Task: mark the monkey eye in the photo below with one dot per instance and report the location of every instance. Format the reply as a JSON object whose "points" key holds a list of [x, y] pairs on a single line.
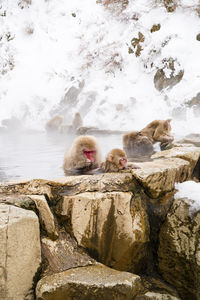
{"points": [[88, 152], [123, 159]]}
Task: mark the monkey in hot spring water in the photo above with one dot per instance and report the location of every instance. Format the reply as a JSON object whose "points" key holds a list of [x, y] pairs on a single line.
{"points": [[83, 156]]}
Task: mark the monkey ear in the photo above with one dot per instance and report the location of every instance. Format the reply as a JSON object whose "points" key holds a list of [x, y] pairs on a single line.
{"points": [[167, 124]]}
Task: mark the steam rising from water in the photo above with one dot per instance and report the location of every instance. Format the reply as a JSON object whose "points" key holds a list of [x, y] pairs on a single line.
{"points": [[50, 48]]}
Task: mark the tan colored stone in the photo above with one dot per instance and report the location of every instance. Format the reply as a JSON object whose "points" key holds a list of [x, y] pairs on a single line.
{"points": [[63, 254], [112, 225], [190, 154], [92, 282], [179, 249], [20, 253], [46, 216], [71, 185], [159, 176]]}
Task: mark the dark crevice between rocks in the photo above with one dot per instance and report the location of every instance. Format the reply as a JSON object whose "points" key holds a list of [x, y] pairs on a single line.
{"points": [[157, 212], [196, 171]]}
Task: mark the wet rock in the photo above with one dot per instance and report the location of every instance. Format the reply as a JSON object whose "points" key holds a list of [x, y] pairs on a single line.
{"points": [[62, 254], [159, 176], [190, 154], [92, 282], [45, 215], [39, 205], [97, 131], [85, 130], [113, 227], [70, 185], [179, 249], [167, 76], [20, 252], [155, 27]]}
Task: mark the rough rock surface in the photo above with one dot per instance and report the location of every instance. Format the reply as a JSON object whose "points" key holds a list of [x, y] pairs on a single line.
{"points": [[113, 226], [93, 282], [20, 252], [114, 218], [161, 80], [63, 254], [179, 249], [45, 215], [158, 177]]}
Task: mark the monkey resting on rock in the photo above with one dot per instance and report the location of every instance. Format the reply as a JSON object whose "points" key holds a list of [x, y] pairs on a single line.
{"points": [[140, 143]]}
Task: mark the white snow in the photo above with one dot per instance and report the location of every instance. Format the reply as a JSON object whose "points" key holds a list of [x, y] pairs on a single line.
{"points": [[80, 40], [190, 190]]}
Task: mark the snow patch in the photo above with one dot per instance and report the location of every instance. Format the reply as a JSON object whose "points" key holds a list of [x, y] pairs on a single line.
{"points": [[190, 190]]}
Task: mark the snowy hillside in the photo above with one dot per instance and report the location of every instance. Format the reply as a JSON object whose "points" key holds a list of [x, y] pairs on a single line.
{"points": [[120, 65]]}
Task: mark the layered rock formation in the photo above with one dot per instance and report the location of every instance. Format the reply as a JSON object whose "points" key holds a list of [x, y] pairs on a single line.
{"points": [[102, 236]]}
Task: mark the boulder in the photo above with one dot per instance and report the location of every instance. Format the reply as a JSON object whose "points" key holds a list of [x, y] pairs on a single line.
{"points": [[155, 289], [45, 215], [159, 176], [179, 249], [190, 154], [63, 254], [113, 226], [20, 252], [167, 76], [70, 185], [92, 282]]}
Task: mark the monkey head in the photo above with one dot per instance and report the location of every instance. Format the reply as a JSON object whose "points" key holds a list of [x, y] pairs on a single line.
{"points": [[83, 155], [163, 132], [115, 160]]}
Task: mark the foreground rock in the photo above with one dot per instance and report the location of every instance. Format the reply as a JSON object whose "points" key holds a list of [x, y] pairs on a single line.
{"points": [[20, 253], [63, 254], [113, 227], [93, 282], [114, 218], [179, 249]]}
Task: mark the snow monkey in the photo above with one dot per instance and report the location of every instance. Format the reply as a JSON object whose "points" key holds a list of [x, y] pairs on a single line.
{"points": [[139, 143], [83, 156], [77, 121], [54, 123], [116, 160]]}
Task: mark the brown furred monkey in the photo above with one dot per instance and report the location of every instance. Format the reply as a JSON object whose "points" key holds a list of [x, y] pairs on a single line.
{"points": [[116, 160], [83, 156], [140, 143], [54, 124], [77, 121]]}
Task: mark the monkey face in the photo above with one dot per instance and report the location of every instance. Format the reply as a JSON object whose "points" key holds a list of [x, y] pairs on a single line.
{"points": [[89, 155], [123, 162]]}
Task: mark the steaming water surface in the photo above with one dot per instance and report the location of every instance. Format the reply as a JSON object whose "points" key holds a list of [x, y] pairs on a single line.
{"points": [[38, 155]]}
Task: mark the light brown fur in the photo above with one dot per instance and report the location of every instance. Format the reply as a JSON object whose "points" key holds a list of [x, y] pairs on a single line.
{"points": [[77, 121], [116, 160], [141, 142], [75, 160], [54, 123]]}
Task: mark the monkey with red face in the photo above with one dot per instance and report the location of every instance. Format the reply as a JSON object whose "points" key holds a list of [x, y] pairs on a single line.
{"points": [[116, 160], [83, 156]]}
